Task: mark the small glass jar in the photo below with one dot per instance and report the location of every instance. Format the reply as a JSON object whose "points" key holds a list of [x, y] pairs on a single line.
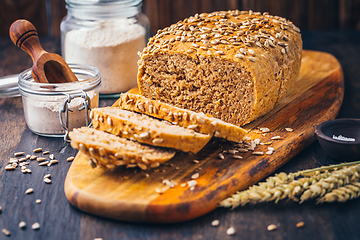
{"points": [[107, 35], [53, 109]]}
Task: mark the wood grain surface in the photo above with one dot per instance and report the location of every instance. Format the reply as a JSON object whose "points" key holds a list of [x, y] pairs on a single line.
{"points": [[128, 194]]}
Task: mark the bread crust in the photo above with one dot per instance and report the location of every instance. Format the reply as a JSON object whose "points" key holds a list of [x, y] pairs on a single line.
{"points": [[235, 66]]}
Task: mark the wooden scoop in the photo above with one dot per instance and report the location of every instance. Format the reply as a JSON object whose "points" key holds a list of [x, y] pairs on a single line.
{"points": [[47, 67]]}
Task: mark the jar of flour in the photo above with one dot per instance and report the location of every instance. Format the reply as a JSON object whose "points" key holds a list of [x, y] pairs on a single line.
{"points": [[107, 35]]}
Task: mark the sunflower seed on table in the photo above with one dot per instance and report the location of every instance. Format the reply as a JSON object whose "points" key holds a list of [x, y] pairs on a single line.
{"points": [[17, 154], [35, 226], [22, 224], [6, 232], [230, 231], [36, 150], [271, 227], [29, 190], [215, 223]]}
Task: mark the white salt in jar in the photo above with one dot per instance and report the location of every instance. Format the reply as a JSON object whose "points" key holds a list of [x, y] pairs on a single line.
{"points": [[53, 109], [107, 35]]}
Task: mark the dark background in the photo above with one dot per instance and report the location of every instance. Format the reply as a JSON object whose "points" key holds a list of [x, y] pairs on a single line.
{"points": [[46, 15]]}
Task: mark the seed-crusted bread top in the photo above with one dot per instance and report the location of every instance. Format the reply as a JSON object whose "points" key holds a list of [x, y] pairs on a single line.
{"points": [[233, 65], [148, 130], [109, 151], [198, 122]]}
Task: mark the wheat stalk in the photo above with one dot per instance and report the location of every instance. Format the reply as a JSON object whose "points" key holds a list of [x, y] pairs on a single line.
{"points": [[326, 184]]}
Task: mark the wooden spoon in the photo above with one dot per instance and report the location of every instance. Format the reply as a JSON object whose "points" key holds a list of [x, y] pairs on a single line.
{"points": [[47, 67]]}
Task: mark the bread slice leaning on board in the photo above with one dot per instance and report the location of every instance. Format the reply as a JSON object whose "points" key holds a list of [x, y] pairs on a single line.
{"points": [[145, 129], [110, 151], [198, 122], [232, 65]]}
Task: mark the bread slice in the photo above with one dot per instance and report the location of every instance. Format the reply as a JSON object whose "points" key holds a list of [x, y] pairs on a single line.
{"points": [[109, 151], [148, 130], [234, 65], [198, 122]]}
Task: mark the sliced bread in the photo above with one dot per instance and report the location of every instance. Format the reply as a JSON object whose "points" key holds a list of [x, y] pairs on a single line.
{"points": [[148, 130], [109, 151]]}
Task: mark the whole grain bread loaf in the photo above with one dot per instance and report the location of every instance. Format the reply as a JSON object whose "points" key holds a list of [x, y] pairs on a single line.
{"points": [[198, 122], [109, 151], [233, 65], [147, 130]]}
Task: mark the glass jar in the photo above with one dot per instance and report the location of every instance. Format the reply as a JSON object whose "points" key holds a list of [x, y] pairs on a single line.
{"points": [[53, 109], [107, 35]]}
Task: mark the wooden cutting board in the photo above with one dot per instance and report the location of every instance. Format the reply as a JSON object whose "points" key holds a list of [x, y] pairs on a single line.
{"points": [[132, 194]]}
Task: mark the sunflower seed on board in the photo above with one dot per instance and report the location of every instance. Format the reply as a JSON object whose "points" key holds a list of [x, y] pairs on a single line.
{"points": [[47, 175], [38, 201], [46, 152], [69, 159]]}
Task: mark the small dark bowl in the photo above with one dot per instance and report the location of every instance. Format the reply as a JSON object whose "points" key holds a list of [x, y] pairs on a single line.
{"points": [[340, 149]]}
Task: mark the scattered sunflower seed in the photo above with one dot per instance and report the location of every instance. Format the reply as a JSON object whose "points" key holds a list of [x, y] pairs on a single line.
{"points": [[10, 167], [40, 159], [33, 157], [38, 201], [300, 224], [22, 224], [35, 226], [30, 190], [46, 152], [6, 232], [271, 227], [215, 223], [289, 129], [36, 150], [51, 156], [47, 180], [43, 163], [54, 161], [69, 159], [47, 175], [230, 231], [18, 154]]}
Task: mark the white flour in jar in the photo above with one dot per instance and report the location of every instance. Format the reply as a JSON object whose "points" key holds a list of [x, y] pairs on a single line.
{"points": [[42, 115], [112, 48]]}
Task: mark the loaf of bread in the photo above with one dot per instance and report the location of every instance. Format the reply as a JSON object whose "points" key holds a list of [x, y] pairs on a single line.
{"points": [[198, 122], [109, 151], [147, 130], [233, 65]]}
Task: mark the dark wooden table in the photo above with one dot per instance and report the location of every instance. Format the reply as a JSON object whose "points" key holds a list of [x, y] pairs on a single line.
{"points": [[59, 220]]}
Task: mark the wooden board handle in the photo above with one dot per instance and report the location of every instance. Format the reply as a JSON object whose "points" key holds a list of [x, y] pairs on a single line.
{"points": [[24, 35]]}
